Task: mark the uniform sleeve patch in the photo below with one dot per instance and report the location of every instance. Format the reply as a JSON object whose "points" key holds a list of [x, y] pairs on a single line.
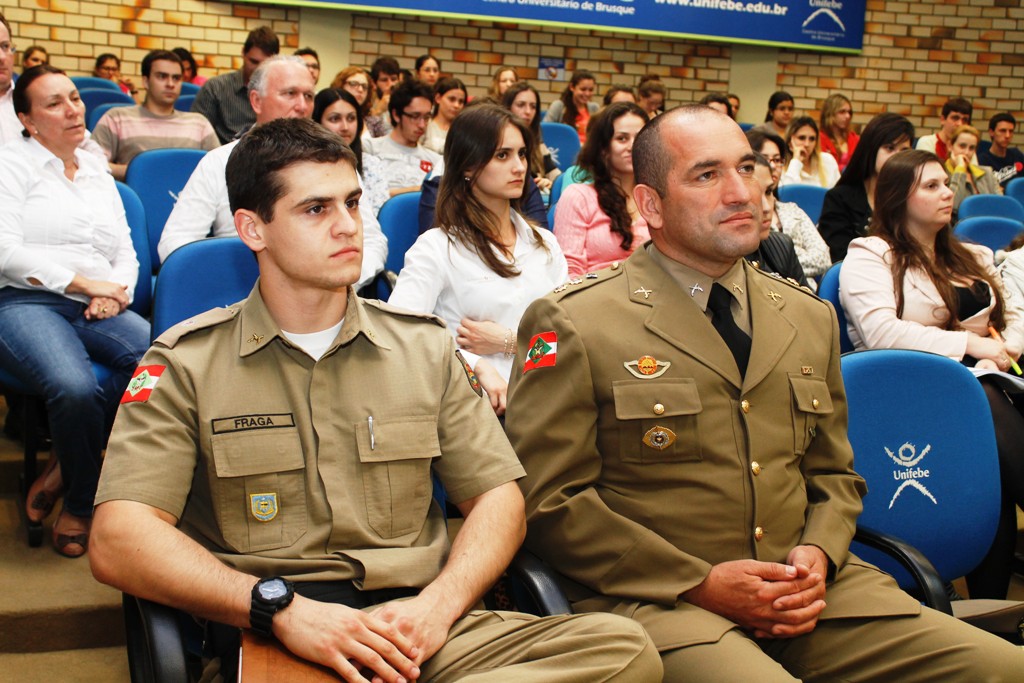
{"points": [[470, 375], [542, 353], [143, 382]]}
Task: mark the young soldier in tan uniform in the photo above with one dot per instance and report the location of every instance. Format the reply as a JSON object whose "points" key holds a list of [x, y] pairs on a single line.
{"points": [[294, 434], [713, 504]]}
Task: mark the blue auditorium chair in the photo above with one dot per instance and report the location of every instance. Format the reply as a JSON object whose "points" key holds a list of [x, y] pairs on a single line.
{"points": [[991, 205], [563, 141], [158, 177], [995, 232], [923, 439], [810, 198]]}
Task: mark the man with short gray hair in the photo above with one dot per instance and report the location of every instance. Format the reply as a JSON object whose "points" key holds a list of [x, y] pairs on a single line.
{"points": [[280, 88]]}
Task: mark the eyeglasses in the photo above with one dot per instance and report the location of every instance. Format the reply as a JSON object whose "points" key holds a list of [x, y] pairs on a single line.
{"points": [[774, 161], [7, 48], [417, 117], [357, 85]]}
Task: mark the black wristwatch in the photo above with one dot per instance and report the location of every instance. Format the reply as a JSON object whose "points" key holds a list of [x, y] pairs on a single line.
{"points": [[269, 596]]}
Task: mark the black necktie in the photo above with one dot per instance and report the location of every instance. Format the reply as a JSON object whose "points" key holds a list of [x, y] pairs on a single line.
{"points": [[736, 339]]}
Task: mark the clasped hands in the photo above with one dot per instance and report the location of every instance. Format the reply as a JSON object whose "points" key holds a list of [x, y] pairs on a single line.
{"points": [[385, 645], [768, 599]]}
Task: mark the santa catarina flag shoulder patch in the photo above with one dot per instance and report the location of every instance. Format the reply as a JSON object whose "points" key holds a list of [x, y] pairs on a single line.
{"points": [[143, 382], [542, 353]]}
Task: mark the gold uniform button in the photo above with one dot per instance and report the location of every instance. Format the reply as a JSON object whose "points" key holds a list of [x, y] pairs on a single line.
{"points": [[755, 467], [758, 533], [745, 406], [815, 402], [659, 409]]}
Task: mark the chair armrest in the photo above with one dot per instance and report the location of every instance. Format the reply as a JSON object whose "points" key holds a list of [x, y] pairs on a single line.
{"points": [[156, 648], [910, 558], [529, 573]]}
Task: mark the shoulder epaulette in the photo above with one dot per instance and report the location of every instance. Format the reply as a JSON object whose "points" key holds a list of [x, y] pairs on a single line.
{"points": [[385, 307], [210, 318], [582, 282]]}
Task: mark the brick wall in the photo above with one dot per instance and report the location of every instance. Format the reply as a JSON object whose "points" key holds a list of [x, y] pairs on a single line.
{"points": [[74, 32], [472, 50], [916, 54]]}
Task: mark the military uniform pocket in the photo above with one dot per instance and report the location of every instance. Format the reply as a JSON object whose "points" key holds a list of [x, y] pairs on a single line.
{"points": [[658, 420], [395, 461], [811, 399], [259, 493]]}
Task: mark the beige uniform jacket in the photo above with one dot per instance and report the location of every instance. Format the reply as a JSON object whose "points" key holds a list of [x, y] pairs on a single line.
{"points": [[269, 459], [756, 466]]}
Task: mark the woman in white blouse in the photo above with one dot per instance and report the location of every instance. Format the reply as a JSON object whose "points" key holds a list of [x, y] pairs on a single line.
{"points": [[67, 271], [485, 264]]}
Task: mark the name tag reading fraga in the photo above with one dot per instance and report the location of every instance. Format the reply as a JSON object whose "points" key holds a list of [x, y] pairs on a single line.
{"points": [[243, 423]]}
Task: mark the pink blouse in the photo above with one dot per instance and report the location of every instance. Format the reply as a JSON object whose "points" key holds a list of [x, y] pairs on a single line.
{"points": [[585, 234]]}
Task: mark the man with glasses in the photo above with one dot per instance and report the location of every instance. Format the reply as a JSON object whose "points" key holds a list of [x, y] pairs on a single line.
{"points": [[10, 127], [406, 162], [312, 60]]}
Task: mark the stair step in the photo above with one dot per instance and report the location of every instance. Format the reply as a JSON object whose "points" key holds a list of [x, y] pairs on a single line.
{"points": [[67, 666], [53, 602]]}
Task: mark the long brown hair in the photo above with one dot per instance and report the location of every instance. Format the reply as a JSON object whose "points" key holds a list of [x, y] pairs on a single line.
{"points": [[472, 139], [593, 162], [952, 262]]}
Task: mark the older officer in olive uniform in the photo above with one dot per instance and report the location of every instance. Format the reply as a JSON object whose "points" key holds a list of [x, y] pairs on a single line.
{"points": [[682, 422], [292, 437]]}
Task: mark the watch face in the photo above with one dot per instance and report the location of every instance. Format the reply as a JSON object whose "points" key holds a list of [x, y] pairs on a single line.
{"points": [[271, 590]]}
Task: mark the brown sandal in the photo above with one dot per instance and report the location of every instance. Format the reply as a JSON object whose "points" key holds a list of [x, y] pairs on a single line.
{"points": [[44, 492], [76, 543]]}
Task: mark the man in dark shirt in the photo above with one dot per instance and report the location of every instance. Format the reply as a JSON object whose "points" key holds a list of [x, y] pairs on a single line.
{"points": [[1007, 162], [224, 100]]}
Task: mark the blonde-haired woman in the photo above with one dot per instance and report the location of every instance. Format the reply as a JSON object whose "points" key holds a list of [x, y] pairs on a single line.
{"points": [[808, 165]]}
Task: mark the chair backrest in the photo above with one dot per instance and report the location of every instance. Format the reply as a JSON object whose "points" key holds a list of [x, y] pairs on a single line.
{"points": [[206, 274], [808, 197], [563, 141], [994, 232], [828, 289], [135, 213], [190, 89], [991, 205], [94, 97], [95, 83], [573, 174], [1015, 188], [158, 177], [399, 221], [923, 439], [184, 103], [97, 112]]}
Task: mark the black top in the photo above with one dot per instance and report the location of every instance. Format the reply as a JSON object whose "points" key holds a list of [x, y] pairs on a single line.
{"points": [[845, 215], [776, 255]]}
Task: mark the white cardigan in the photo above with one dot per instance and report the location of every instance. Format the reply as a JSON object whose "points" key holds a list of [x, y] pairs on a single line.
{"points": [[868, 297]]}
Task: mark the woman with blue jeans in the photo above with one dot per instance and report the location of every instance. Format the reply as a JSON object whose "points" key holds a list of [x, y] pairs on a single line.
{"points": [[66, 270]]}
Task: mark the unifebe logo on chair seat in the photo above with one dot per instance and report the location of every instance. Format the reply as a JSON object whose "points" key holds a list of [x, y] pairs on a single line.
{"points": [[908, 472]]}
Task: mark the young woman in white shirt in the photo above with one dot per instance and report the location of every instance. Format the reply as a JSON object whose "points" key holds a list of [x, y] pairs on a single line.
{"points": [[808, 165], [67, 272], [485, 264]]}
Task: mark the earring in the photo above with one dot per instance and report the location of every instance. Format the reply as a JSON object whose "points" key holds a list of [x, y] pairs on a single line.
{"points": [[466, 179]]}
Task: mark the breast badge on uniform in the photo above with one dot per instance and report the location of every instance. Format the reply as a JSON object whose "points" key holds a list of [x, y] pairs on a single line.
{"points": [[647, 367], [543, 351], [263, 506], [470, 375], [659, 438], [140, 388]]}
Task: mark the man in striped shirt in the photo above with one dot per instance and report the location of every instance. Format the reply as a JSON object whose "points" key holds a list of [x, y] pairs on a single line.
{"points": [[125, 132]]}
